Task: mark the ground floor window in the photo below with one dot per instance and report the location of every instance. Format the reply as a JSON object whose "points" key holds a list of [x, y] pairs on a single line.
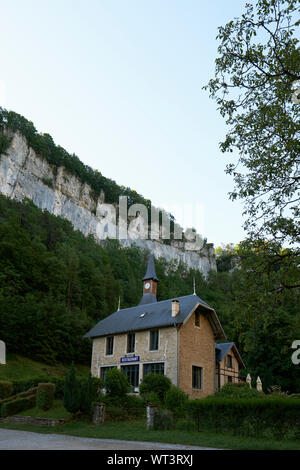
{"points": [[132, 373], [154, 368], [229, 378], [103, 372], [197, 373]]}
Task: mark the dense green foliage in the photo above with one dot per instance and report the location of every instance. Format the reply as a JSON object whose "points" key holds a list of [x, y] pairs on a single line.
{"points": [[45, 396], [155, 384], [90, 390], [257, 65], [257, 417], [116, 383], [163, 420], [15, 406], [176, 400], [72, 392], [6, 389], [19, 402], [238, 390]]}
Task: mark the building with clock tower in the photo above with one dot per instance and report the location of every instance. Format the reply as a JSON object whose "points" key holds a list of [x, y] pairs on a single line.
{"points": [[179, 337]]}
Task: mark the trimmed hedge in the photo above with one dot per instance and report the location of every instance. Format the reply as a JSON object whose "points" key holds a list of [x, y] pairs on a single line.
{"points": [[28, 393], [45, 396], [6, 389], [13, 407], [23, 385], [278, 417]]}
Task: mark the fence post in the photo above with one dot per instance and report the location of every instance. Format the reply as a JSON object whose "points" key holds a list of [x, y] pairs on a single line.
{"points": [[2, 353], [99, 413], [151, 412]]}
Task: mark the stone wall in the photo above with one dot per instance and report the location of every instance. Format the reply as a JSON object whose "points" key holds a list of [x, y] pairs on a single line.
{"points": [[23, 174], [33, 421], [167, 352]]}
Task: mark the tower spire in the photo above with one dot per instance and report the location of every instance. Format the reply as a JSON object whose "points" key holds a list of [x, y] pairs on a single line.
{"points": [[150, 273], [150, 283], [194, 282]]}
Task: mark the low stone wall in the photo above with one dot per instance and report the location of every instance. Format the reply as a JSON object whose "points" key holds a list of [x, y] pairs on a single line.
{"points": [[33, 421]]}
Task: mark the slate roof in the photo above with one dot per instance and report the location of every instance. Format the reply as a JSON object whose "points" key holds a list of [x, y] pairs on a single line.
{"points": [[223, 348], [150, 273], [155, 315]]}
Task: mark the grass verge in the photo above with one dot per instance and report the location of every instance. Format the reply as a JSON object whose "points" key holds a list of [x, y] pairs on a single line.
{"points": [[136, 431]]}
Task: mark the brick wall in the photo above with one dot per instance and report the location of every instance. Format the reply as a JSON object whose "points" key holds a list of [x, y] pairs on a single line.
{"points": [[197, 348]]}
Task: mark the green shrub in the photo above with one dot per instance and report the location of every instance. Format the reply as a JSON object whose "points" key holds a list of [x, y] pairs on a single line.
{"points": [[249, 417], [176, 400], [13, 407], [26, 384], [156, 383], [45, 396], [59, 383], [238, 390], [89, 393], [72, 395], [6, 389], [150, 397], [116, 383], [163, 420]]}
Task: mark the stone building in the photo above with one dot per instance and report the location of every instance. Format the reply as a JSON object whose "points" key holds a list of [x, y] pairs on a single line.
{"points": [[176, 337]]}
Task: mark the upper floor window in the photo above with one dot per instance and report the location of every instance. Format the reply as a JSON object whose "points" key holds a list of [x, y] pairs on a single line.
{"points": [[197, 373], [229, 361], [197, 319], [109, 345], [131, 343], [153, 340]]}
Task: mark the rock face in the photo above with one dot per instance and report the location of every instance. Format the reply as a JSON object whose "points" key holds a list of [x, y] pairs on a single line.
{"points": [[24, 174]]}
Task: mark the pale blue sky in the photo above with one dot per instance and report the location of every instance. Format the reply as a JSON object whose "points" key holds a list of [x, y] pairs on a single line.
{"points": [[119, 83]]}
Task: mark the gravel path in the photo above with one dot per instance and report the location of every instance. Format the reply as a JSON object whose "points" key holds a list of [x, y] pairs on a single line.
{"points": [[24, 440]]}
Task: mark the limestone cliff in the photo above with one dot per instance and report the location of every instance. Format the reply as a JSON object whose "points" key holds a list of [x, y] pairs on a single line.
{"points": [[24, 174]]}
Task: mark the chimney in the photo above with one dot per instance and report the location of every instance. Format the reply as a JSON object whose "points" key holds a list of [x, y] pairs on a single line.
{"points": [[175, 308]]}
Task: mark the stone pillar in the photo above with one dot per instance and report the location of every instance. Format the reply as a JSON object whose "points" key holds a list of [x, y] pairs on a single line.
{"points": [[248, 380], [151, 412], [259, 384], [99, 413], [2, 353]]}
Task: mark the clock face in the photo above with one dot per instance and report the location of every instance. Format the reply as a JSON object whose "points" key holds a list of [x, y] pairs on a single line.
{"points": [[147, 285]]}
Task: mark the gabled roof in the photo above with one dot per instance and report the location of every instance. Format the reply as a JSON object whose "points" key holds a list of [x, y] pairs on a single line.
{"points": [[150, 273], [155, 315], [223, 348]]}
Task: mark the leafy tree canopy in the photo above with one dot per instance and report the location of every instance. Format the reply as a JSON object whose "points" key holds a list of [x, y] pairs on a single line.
{"points": [[258, 63]]}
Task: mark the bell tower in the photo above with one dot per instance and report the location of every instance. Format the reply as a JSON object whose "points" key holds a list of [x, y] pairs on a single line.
{"points": [[150, 281]]}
